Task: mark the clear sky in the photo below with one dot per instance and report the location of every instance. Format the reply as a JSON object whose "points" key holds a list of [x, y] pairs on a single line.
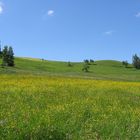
{"points": [[71, 30]]}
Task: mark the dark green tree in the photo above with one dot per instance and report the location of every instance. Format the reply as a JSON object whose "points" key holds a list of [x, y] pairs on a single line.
{"points": [[136, 61], [91, 61], [125, 63], [69, 64], [85, 68], [5, 56], [10, 57], [86, 61]]}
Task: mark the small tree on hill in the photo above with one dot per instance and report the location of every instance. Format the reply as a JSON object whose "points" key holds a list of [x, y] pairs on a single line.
{"points": [[125, 63], [69, 64], [5, 56], [85, 68], [136, 61], [91, 61], [10, 57], [86, 61]]}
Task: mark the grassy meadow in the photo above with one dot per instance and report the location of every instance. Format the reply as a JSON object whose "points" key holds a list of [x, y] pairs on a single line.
{"points": [[104, 70], [42, 107], [47, 100]]}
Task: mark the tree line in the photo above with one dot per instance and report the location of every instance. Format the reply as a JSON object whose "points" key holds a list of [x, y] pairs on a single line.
{"points": [[135, 62], [7, 56]]}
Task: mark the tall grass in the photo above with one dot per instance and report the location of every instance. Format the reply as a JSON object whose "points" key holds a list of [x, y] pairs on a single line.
{"points": [[54, 108]]}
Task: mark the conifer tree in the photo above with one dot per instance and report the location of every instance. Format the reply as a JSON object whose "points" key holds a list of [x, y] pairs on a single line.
{"points": [[5, 56], [136, 61], [10, 57]]}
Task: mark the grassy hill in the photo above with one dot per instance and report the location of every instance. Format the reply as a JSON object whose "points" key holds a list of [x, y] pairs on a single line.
{"points": [[45, 100], [105, 69]]}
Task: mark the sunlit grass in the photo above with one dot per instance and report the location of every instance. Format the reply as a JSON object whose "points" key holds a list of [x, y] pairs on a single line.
{"points": [[45, 107], [105, 69]]}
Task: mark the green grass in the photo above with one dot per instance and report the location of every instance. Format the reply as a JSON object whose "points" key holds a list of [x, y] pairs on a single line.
{"points": [[47, 100], [55, 108], [111, 70]]}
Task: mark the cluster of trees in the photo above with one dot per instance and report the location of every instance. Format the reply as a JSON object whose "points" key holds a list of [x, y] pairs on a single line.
{"points": [[7, 56], [87, 64], [135, 62]]}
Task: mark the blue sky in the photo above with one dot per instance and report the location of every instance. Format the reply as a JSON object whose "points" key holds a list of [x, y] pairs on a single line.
{"points": [[71, 30]]}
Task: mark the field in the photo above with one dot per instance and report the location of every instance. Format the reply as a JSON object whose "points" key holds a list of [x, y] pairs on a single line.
{"points": [[43, 107], [106, 69]]}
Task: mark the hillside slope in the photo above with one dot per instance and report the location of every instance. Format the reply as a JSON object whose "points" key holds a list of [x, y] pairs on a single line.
{"points": [[105, 69]]}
